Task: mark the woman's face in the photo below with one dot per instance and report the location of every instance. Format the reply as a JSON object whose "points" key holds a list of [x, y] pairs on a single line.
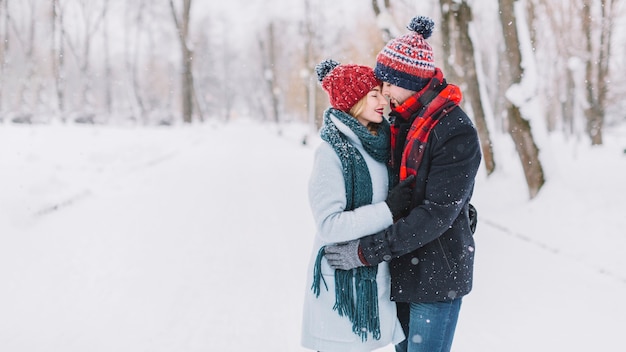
{"points": [[375, 104]]}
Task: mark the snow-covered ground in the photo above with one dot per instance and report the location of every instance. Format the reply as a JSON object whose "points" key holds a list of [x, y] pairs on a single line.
{"points": [[196, 238]]}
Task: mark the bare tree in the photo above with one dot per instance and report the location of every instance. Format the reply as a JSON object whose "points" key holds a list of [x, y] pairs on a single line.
{"points": [[386, 23], [108, 99], [132, 50], [519, 127], [4, 14], [460, 64], [228, 93], [29, 49], [308, 30], [207, 76], [25, 37], [268, 59], [91, 24], [559, 88], [597, 63], [580, 46], [182, 26], [58, 56]]}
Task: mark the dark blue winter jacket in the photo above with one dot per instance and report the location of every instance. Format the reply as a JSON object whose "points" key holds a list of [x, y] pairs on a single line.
{"points": [[431, 250]]}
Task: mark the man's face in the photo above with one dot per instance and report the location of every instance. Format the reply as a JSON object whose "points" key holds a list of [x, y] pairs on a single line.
{"points": [[396, 95]]}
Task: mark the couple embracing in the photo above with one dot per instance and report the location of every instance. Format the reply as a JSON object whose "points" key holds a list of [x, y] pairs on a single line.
{"points": [[393, 253]]}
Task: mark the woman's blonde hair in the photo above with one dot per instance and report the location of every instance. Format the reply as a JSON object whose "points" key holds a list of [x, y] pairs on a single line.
{"points": [[358, 109]]}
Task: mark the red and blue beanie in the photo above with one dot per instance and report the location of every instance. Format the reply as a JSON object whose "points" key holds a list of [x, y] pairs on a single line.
{"points": [[345, 84], [407, 61]]}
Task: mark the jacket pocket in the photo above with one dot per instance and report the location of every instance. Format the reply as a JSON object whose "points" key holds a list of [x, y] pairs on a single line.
{"points": [[446, 254]]}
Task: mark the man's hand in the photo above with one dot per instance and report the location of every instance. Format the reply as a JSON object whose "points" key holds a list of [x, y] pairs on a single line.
{"points": [[343, 256], [399, 198]]}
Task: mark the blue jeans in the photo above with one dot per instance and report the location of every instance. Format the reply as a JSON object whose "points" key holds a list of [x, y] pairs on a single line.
{"points": [[429, 327]]}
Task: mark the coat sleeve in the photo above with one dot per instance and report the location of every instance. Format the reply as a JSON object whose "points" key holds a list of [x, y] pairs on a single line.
{"points": [[327, 197], [447, 188]]}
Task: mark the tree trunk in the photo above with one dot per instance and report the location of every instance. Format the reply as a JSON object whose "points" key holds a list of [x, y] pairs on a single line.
{"points": [[132, 64], [458, 44], [182, 26], [4, 11], [519, 128], [228, 91], [58, 57], [108, 99], [92, 24], [597, 65], [26, 37], [84, 39], [268, 61], [315, 123], [271, 69], [28, 86], [568, 103], [386, 23]]}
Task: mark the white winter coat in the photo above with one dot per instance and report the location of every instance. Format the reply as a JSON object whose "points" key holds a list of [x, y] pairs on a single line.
{"points": [[322, 328]]}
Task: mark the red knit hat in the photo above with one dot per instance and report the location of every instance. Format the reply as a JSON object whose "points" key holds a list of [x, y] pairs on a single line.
{"points": [[345, 84], [407, 61]]}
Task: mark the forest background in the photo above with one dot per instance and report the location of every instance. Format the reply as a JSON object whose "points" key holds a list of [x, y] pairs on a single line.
{"points": [[529, 68], [151, 153]]}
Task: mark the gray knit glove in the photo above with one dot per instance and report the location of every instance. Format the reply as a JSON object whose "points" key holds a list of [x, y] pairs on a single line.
{"points": [[344, 256]]}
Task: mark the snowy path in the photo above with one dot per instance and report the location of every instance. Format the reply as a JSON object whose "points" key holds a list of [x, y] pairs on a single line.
{"points": [[203, 252], [206, 250], [529, 298]]}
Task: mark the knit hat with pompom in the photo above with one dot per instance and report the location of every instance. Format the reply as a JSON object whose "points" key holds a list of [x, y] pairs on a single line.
{"points": [[407, 61], [345, 84]]}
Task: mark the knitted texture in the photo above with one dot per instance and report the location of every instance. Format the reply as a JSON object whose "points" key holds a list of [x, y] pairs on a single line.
{"points": [[408, 61], [356, 292], [345, 84]]}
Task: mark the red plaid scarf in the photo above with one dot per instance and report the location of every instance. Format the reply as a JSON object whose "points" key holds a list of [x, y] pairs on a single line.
{"points": [[422, 111]]}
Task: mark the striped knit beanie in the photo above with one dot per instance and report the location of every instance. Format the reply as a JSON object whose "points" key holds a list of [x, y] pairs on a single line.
{"points": [[407, 61], [345, 84]]}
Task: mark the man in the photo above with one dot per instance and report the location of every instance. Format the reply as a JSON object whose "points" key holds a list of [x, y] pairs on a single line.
{"points": [[431, 249]]}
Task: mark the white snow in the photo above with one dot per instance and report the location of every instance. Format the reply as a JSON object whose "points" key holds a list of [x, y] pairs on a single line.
{"points": [[196, 238]]}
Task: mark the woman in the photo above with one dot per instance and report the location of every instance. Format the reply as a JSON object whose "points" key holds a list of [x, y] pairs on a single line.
{"points": [[349, 197]]}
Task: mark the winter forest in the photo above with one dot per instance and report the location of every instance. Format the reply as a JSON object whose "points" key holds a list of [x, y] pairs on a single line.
{"points": [[155, 158], [527, 67]]}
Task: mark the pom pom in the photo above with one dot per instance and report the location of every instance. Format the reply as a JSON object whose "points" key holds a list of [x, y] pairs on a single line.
{"points": [[324, 67], [422, 25]]}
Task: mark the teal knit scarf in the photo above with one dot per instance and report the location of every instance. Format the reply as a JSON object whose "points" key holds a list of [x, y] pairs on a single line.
{"points": [[356, 293]]}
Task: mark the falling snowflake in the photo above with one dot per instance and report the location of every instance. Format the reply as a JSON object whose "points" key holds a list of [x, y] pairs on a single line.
{"points": [[417, 338]]}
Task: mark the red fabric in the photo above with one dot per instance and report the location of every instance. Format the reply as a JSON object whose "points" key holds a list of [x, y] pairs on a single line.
{"points": [[429, 114], [362, 257], [409, 54], [347, 84]]}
